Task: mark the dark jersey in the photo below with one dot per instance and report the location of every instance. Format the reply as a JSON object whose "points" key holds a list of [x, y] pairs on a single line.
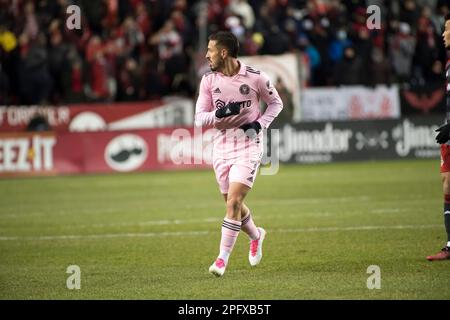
{"points": [[447, 88]]}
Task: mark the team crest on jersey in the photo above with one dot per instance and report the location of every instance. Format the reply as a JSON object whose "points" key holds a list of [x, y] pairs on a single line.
{"points": [[244, 89], [217, 90], [220, 104]]}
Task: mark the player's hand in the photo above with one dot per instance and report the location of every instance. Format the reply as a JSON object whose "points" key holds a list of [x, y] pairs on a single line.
{"points": [[251, 129], [231, 109], [444, 133]]}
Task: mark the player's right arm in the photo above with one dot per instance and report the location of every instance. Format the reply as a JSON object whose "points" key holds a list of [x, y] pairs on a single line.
{"points": [[204, 108]]}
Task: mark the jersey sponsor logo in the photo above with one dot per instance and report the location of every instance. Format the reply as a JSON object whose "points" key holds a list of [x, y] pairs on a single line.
{"points": [[217, 90], [219, 104], [243, 104], [244, 89]]}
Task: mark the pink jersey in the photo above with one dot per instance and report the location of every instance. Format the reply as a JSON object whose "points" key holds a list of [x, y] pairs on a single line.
{"points": [[247, 87]]}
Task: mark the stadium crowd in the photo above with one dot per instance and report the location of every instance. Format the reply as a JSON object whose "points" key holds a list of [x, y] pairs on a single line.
{"points": [[129, 50]]}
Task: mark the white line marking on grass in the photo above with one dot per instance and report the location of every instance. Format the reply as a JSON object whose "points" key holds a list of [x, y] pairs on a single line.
{"points": [[88, 211], [312, 200], [202, 233], [109, 235], [150, 223], [359, 228], [388, 210]]}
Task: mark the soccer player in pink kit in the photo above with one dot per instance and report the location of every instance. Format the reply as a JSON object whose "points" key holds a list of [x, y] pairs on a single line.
{"points": [[229, 100]]}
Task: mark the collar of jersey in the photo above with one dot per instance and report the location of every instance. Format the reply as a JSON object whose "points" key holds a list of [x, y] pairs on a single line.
{"points": [[242, 70]]}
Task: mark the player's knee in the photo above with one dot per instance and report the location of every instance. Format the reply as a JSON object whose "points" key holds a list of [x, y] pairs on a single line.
{"points": [[446, 183], [234, 203]]}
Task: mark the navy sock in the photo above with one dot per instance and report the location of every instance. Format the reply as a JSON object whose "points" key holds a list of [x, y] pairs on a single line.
{"points": [[447, 216]]}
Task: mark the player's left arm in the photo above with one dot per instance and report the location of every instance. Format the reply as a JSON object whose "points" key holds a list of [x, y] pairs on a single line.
{"points": [[270, 96]]}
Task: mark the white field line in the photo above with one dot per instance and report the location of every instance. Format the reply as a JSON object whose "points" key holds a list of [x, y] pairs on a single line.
{"points": [[216, 220], [194, 206], [203, 220], [201, 233], [4, 215]]}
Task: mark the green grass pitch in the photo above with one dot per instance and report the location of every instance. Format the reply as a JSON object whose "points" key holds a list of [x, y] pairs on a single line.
{"points": [[154, 235]]}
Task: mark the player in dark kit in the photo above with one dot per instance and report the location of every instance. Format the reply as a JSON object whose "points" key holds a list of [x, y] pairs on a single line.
{"points": [[443, 138]]}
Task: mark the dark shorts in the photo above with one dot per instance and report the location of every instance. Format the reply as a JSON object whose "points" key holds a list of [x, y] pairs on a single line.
{"points": [[445, 158]]}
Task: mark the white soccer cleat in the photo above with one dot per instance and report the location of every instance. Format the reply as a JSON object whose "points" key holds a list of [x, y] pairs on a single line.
{"points": [[218, 267], [255, 254]]}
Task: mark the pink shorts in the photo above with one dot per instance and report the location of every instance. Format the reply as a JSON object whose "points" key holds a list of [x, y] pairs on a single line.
{"points": [[242, 169], [234, 170]]}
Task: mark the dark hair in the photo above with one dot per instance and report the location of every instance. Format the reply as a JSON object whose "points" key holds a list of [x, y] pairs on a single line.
{"points": [[227, 40]]}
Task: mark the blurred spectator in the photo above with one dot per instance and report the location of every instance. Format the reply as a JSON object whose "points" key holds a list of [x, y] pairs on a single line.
{"points": [[338, 45], [4, 87], [8, 40], [75, 83], [129, 84], [243, 9], [312, 56], [234, 24], [98, 84], [427, 48], [31, 27], [170, 52], [143, 49], [437, 73], [252, 43], [287, 114], [349, 71], [410, 13], [379, 69], [57, 53], [275, 41], [320, 39], [35, 79], [402, 46]]}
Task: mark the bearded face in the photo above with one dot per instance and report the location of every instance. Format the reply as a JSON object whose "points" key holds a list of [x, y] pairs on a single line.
{"points": [[214, 56]]}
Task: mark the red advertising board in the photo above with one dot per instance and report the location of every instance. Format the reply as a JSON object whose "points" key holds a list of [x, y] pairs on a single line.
{"points": [[53, 153], [169, 112]]}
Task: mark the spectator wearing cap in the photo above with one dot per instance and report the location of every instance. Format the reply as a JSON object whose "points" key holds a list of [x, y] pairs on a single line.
{"points": [[401, 49]]}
